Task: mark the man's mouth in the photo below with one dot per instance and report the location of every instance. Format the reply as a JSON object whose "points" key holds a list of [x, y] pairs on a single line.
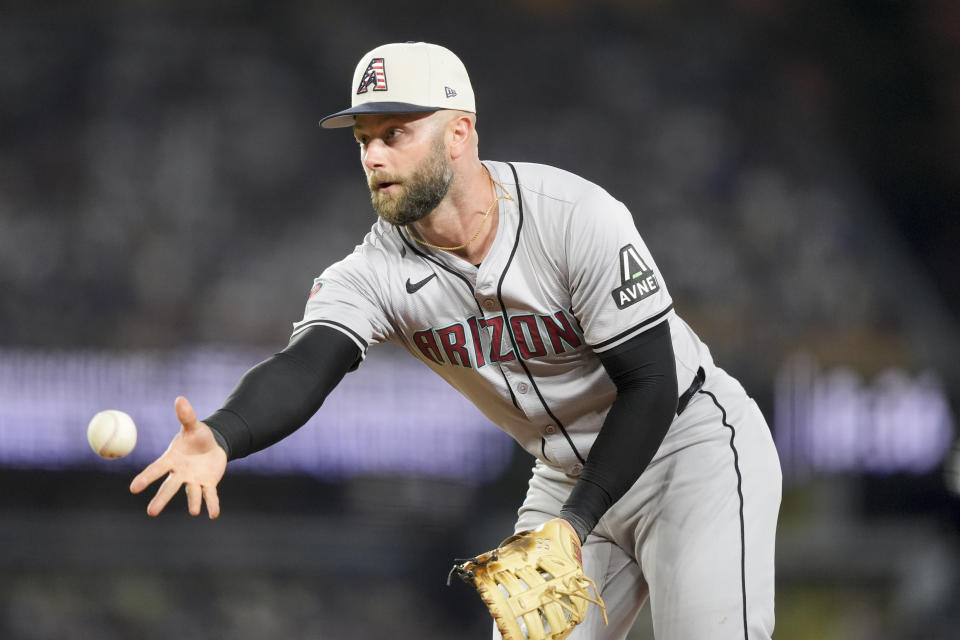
{"points": [[385, 185]]}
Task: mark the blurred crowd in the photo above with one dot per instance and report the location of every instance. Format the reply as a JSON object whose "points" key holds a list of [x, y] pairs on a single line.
{"points": [[163, 182]]}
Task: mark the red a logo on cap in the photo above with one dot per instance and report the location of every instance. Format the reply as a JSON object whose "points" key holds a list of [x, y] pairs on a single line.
{"points": [[374, 75]]}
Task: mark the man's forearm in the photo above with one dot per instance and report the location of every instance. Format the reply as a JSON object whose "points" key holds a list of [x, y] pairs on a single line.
{"points": [[645, 374], [279, 395]]}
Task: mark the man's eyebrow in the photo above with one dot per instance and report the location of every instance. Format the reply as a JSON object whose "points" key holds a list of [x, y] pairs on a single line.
{"points": [[392, 122]]}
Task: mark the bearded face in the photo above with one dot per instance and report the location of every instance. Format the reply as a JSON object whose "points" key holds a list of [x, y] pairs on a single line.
{"points": [[401, 200]]}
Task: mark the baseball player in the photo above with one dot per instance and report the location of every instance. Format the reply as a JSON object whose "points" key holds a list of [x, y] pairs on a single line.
{"points": [[531, 291]]}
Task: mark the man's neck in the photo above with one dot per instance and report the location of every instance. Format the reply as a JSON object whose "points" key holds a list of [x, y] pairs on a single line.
{"points": [[462, 218]]}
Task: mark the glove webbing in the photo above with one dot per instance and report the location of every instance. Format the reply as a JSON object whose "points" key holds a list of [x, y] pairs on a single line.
{"points": [[554, 592]]}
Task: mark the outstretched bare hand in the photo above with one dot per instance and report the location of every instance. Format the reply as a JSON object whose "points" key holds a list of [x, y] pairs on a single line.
{"points": [[193, 459]]}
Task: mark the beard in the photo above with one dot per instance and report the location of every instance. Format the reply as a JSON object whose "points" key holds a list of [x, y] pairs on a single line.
{"points": [[420, 193]]}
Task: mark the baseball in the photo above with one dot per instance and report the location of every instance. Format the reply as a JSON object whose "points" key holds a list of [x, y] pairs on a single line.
{"points": [[112, 434]]}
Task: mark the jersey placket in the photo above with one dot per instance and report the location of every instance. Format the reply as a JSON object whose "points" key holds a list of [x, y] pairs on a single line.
{"points": [[496, 322], [490, 277]]}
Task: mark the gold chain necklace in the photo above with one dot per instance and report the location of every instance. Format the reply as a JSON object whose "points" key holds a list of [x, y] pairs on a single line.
{"points": [[483, 222]]}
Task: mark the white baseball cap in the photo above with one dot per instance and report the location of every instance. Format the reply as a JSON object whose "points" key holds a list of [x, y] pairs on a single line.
{"points": [[406, 77]]}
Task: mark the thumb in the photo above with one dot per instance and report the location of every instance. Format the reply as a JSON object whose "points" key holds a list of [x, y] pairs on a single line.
{"points": [[185, 413]]}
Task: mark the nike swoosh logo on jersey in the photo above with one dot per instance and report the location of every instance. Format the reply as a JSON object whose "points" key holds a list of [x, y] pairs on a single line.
{"points": [[414, 287]]}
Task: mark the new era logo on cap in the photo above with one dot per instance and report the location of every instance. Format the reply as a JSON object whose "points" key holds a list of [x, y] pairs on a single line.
{"points": [[374, 77], [424, 77]]}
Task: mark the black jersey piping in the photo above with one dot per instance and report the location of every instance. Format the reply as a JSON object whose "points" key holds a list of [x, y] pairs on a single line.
{"points": [[338, 325], [743, 544], [646, 324], [509, 327], [433, 260]]}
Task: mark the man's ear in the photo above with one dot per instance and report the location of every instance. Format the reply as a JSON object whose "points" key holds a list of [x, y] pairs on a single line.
{"points": [[460, 130]]}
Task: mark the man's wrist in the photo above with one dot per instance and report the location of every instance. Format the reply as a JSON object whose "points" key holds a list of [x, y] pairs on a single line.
{"points": [[578, 524], [221, 440]]}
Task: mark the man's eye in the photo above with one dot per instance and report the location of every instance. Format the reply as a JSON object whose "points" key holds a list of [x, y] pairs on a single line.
{"points": [[393, 133]]}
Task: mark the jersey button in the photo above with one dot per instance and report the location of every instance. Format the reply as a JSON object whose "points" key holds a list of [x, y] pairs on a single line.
{"points": [[489, 304], [576, 469], [549, 429], [523, 387]]}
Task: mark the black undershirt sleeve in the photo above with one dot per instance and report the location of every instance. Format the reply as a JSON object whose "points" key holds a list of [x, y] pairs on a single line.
{"points": [[279, 395], [644, 371]]}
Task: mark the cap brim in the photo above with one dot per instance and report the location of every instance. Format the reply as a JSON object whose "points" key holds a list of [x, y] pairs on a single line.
{"points": [[347, 117]]}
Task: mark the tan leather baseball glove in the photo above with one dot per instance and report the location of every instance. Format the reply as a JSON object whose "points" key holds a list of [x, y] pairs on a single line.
{"points": [[533, 583]]}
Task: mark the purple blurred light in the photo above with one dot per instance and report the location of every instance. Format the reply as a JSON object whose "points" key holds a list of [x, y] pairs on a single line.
{"points": [[836, 422], [391, 416]]}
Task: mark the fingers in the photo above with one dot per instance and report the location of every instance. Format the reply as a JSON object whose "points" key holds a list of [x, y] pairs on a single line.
{"points": [[167, 490], [187, 418], [185, 413], [194, 499], [183, 467], [148, 476], [196, 495], [213, 501]]}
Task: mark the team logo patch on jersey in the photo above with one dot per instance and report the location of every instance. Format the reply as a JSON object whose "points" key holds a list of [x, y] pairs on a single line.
{"points": [[316, 288], [375, 76], [638, 280]]}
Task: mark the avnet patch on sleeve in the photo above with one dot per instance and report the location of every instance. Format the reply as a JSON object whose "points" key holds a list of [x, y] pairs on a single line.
{"points": [[637, 280]]}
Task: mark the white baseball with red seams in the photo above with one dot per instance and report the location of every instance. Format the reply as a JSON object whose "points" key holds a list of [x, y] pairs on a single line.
{"points": [[112, 434]]}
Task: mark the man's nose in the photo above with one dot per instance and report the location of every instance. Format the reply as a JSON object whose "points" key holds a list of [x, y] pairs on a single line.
{"points": [[374, 155]]}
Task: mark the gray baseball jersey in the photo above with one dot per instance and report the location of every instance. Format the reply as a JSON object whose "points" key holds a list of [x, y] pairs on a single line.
{"points": [[567, 275]]}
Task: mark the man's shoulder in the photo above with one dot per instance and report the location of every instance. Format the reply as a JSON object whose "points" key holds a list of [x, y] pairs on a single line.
{"points": [[553, 182], [382, 236], [379, 246]]}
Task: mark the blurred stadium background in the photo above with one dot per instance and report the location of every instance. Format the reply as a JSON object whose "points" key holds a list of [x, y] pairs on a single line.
{"points": [[166, 199]]}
